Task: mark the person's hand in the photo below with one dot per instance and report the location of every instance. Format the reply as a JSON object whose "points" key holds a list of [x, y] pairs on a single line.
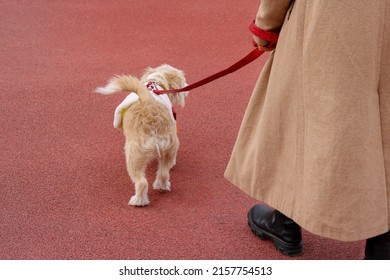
{"points": [[265, 49], [262, 44]]}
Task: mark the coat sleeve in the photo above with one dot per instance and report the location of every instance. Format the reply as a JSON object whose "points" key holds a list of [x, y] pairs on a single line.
{"points": [[270, 16]]}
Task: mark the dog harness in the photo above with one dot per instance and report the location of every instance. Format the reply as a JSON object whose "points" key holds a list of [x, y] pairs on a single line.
{"points": [[133, 97]]}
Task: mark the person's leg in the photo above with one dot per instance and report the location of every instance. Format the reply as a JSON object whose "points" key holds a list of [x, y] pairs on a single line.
{"points": [[378, 247]]}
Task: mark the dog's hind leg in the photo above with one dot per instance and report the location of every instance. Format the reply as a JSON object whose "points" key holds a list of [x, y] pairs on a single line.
{"points": [[136, 168]]}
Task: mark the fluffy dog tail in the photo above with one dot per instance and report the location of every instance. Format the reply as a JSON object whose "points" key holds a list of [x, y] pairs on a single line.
{"points": [[127, 83]]}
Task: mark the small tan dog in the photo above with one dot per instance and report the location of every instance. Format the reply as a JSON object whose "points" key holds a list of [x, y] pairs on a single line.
{"points": [[149, 125]]}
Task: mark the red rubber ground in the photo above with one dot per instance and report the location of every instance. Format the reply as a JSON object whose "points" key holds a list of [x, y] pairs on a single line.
{"points": [[64, 186]]}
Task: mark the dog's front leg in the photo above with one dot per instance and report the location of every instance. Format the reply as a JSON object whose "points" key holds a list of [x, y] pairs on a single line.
{"points": [[166, 162], [141, 193]]}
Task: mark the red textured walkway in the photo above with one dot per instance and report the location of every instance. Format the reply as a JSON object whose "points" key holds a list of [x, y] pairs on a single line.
{"points": [[63, 182]]}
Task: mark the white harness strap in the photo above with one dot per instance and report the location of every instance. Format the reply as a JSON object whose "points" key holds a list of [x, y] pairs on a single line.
{"points": [[133, 97]]}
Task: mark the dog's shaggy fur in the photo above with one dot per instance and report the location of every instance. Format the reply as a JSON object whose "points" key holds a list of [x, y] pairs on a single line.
{"points": [[149, 128]]}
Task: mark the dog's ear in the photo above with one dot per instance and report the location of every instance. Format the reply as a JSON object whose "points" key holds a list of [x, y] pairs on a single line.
{"points": [[178, 98], [176, 79]]}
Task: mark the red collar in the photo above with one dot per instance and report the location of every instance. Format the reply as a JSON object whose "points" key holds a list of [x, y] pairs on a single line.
{"points": [[152, 86]]}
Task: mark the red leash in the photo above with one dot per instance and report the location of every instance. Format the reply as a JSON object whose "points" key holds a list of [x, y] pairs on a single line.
{"points": [[268, 36]]}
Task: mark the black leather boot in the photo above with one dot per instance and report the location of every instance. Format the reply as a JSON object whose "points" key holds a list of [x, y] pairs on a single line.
{"points": [[268, 223], [378, 247]]}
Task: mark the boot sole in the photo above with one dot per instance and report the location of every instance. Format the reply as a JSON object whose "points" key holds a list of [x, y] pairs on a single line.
{"points": [[286, 248]]}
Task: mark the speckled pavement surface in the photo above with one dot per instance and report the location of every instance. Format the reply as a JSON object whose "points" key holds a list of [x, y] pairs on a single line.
{"points": [[63, 181]]}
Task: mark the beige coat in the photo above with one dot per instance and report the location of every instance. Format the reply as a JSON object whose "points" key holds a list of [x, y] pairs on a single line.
{"points": [[315, 139]]}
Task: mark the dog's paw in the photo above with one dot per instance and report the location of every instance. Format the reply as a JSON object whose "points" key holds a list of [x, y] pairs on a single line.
{"points": [[157, 185], [139, 201]]}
